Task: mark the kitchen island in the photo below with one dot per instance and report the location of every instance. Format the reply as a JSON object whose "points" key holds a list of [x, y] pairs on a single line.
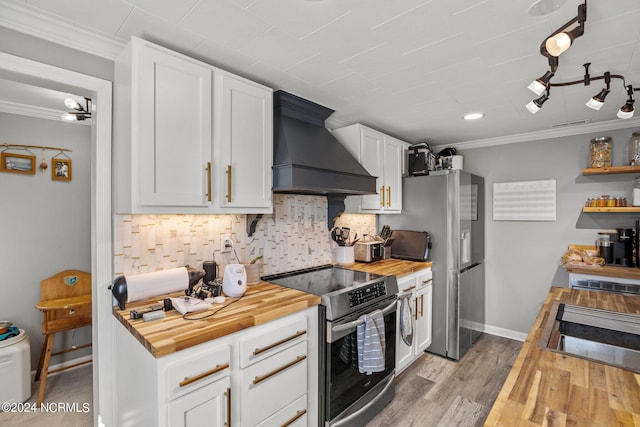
{"points": [[553, 389]]}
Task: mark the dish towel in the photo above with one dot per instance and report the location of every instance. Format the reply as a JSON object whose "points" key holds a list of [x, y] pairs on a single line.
{"points": [[371, 343], [406, 319]]}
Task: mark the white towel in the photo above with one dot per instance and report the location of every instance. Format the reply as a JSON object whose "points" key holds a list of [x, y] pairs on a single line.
{"points": [[371, 343], [406, 319]]}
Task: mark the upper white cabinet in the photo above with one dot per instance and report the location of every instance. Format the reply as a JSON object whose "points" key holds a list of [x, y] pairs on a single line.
{"points": [[245, 136], [188, 137], [382, 156]]}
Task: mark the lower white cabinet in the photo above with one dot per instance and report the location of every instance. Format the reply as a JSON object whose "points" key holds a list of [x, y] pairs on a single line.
{"points": [[266, 375], [208, 405], [419, 288]]}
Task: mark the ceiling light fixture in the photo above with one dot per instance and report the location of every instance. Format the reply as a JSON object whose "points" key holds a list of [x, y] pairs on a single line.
{"points": [[556, 44], [473, 116], [80, 113], [535, 105]]}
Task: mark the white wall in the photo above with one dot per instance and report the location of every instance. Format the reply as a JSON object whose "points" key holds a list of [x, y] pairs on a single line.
{"points": [[523, 258], [45, 224]]}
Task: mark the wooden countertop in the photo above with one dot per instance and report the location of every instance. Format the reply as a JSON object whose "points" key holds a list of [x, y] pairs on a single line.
{"points": [[261, 303], [553, 389], [394, 267]]}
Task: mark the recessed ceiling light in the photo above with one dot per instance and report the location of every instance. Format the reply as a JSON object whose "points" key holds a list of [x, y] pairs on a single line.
{"points": [[545, 7], [473, 116]]}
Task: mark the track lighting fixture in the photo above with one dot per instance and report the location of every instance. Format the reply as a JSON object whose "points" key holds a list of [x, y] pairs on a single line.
{"points": [[540, 85], [535, 105], [561, 39], [80, 113], [597, 101], [557, 43], [626, 111]]}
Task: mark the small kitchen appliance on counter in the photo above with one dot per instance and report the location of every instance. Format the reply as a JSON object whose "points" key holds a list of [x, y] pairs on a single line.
{"points": [[369, 251], [234, 281]]}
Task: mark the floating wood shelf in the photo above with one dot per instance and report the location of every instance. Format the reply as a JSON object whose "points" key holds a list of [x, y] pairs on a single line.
{"points": [[628, 209], [611, 170]]}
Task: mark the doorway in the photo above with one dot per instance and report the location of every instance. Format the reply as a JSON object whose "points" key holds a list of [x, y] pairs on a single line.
{"points": [[47, 76]]}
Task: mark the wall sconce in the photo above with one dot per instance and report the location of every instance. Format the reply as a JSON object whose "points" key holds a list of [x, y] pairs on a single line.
{"points": [[557, 43], [79, 113]]}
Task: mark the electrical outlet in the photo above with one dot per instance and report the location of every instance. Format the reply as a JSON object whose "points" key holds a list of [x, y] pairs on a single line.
{"points": [[226, 244]]}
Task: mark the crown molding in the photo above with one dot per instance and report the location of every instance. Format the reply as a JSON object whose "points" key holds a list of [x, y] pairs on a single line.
{"points": [[26, 19], [38, 112], [550, 133]]}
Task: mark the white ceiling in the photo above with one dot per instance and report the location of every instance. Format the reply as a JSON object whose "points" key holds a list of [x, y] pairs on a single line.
{"points": [[411, 68]]}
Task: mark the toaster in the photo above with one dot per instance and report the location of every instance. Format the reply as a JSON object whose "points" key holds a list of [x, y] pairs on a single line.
{"points": [[369, 251]]}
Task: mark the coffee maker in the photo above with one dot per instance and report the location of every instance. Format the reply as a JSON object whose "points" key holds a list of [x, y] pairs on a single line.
{"points": [[623, 248]]}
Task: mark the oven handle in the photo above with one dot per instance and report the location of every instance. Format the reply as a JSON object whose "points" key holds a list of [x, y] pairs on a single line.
{"points": [[357, 322]]}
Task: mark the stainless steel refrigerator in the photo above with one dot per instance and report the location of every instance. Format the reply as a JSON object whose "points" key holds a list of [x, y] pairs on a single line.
{"points": [[449, 205]]}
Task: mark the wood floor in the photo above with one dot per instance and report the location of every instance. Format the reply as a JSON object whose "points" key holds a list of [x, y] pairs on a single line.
{"points": [[434, 391], [439, 392]]}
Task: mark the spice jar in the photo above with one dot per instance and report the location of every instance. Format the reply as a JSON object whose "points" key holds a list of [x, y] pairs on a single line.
{"points": [[600, 151], [634, 149]]}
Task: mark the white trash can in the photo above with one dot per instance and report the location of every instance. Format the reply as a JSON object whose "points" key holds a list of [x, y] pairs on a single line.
{"points": [[15, 369]]}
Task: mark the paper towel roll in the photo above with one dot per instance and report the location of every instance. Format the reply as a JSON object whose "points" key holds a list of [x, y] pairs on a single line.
{"points": [[147, 285]]}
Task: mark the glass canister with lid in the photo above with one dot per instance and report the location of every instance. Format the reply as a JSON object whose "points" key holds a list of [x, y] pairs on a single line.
{"points": [[601, 151], [634, 149]]}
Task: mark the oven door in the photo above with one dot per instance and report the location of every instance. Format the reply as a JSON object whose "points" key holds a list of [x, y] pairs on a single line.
{"points": [[344, 382]]}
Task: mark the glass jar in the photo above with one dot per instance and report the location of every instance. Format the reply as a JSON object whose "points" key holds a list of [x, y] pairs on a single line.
{"points": [[601, 150], [634, 149], [636, 191]]}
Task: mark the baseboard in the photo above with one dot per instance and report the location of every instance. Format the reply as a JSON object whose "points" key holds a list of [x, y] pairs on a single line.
{"points": [[65, 364], [506, 333]]}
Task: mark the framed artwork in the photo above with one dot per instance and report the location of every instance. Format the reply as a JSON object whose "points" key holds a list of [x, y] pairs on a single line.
{"points": [[61, 170], [18, 163]]}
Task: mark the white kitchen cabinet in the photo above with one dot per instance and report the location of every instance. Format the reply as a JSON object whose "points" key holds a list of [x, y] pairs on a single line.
{"points": [[181, 129], [419, 286], [382, 156], [244, 136], [263, 374], [207, 405]]}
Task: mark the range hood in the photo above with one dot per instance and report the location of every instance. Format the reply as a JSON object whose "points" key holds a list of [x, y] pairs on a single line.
{"points": [[308, 159]]}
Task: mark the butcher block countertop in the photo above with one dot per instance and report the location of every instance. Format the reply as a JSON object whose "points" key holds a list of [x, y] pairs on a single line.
{"points": [[391, 267], [545, 388], [261, 303]]}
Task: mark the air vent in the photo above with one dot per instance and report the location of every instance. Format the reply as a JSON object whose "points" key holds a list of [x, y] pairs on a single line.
{"points": [[576, 123]]}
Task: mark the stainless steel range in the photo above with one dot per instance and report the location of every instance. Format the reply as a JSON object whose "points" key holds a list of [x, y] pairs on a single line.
{"points": [[346, 396]]}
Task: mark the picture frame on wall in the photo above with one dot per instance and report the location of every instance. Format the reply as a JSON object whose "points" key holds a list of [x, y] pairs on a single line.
{"points": [[61, 170], [18, 163]]}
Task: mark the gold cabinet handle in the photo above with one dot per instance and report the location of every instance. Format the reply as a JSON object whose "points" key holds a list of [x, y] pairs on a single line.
{"points": [[426, 282], [409, 289], [257, 351], [388, 197], [415, 314], [295, 417], [229, 183], [421, 305], [258, 379], [189, 380], [208, 181], [228, 395], [382, 196]]}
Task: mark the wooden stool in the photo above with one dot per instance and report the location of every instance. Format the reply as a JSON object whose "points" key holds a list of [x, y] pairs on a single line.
{"points": [[65, 302]]}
